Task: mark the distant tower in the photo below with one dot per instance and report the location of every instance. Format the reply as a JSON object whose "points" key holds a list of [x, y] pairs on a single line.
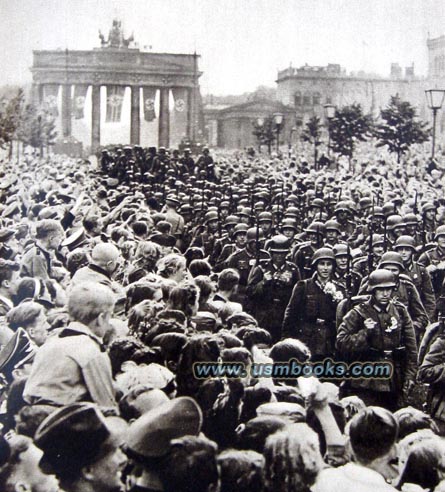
{"points": [[436, 58]]}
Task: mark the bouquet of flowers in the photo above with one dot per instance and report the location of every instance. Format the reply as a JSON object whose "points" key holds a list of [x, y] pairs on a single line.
{"points": [[331, 289]]}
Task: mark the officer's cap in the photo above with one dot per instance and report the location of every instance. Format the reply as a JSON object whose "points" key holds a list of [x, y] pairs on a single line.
{"points": [[6, 233], [75, 240], [149, 436]]}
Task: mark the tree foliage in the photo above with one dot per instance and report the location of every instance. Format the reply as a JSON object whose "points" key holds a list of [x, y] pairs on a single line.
{"points": [[311, 133], [400, 127], [11, 113], [38, 128], [348, 127], [265, 133]]}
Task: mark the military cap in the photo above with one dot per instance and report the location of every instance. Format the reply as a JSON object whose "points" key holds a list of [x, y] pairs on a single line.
{"points": [[149, 436], [240, 228], [173, 199], [322, 254], [290, 411], [405, 242], [186, 208], [224, 204], [391, 258], [279, 244], [75, 240], [6, 233], [72, 437], [332, 225]]}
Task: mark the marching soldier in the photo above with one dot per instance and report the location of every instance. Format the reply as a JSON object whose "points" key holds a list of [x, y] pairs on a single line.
{"points": [[239, 238], [405, 291], [244, 260], [270, 286], [206, 239], [302, 255], [380, 330], [344, 275], [434, 261], [227, 238], [406, 247], [311, 313]]}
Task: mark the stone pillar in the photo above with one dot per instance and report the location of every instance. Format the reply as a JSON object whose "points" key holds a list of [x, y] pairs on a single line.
{"points": [[164, 118], [36, 93], [135, 121], [95, 118], [189, 112], [66, 110]]}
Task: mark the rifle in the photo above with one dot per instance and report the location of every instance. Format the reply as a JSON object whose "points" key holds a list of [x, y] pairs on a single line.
{"points": [[257, 242], [348, 274], [219, 221], [415, 208], [385, 238]]}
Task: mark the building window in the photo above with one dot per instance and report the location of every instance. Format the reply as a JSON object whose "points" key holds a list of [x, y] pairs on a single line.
{"points": [[297, 99], [306, 100], [328, 100], [317, 99]]}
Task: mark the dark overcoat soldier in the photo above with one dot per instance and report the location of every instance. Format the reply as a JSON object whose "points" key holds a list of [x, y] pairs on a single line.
{"points": [[245, 259], [380, 330], [418, 274], [270, 286], [302, 255], [311, 313], [434, 261], [206, 239]]}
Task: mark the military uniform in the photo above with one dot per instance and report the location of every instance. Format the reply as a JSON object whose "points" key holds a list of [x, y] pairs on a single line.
{"points": [[422, 281], [392, 340], [341, 278], [435, 257], [36, 262], [269, 289], [310, 316], [243, 261]]}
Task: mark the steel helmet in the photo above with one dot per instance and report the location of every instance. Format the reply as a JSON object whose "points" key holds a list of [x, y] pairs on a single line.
{"points": [[378, 212], [342, 207], [231, 220], [381, 278], [394, 221], [252, 234], [265, 217], [332, 225], [279, 244], [377, 239], [210, 216], [391, 258], [323, 254], [440, 231], [411, 219], [289, 224], [240, 228], [341, 249], [316, 227], [291, 212], [317, 203], [428, 206], [405, 242]]}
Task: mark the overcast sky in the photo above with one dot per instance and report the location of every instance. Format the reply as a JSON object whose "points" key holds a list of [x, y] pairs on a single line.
{"points": [[242, 43]]}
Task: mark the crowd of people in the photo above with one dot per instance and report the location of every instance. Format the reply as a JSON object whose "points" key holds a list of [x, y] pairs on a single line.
{"points": [[123, 274]]}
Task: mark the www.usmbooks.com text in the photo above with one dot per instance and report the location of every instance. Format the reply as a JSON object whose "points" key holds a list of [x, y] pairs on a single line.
{"points": [[292, 369]]}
